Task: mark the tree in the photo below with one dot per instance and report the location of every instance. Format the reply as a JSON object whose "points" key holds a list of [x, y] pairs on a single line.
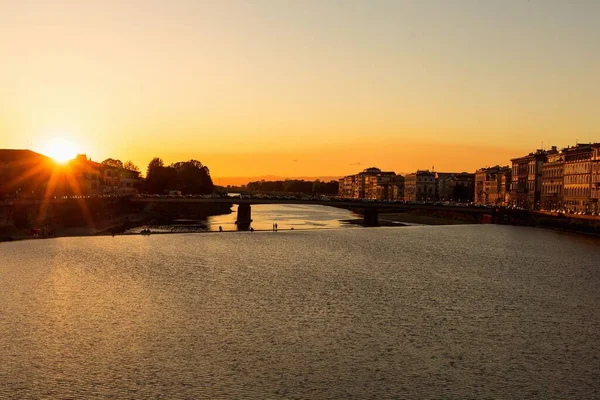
{"points": [[190, 177], [193, 177], [156, 179], [131, 166], [154, 164], [113, 163]]}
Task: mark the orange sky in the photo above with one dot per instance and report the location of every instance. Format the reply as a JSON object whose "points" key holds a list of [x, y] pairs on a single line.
{"points": [[306, 88]]}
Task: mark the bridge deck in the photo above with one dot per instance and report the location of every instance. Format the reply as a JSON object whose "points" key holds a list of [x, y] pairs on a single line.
{"points": [[331, 203], [382, 206]]}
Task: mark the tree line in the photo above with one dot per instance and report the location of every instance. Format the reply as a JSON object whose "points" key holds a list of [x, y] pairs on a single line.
{"points": [[295, 186], [188, 177]]}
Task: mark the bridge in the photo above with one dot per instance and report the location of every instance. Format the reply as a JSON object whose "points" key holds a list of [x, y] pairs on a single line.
{"points": [[87, 210], [370, 209]]}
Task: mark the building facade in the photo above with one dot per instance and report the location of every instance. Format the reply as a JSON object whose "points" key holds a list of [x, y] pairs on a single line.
{"points": [[398, 188], [373, 184], [455, 186], [420, 186], [84, 177], [553, 181], [526, 190], [577, 190], [492, 185], [443, 186], [518, 193], [119, 181], [595, 192], [93, 178], [347, 186]]}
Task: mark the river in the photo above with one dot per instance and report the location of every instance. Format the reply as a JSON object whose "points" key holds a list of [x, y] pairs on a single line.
{"points": [[469, 311], [286, 216]]}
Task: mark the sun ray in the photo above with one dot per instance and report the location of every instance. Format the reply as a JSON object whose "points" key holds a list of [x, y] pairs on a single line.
{"points": [[49, 194], [72, 182], [40, 168]]}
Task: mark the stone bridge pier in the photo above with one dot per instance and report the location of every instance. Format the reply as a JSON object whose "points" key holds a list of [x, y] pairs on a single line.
{"points": [[371, 217], [244, 216]]}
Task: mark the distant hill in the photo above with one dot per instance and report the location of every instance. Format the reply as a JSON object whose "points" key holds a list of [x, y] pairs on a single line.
{"points": [[243, 180]]}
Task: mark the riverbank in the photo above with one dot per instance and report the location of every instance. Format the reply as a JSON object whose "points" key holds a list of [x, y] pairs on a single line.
{"points": [[417, 219], [128, 225], [382, 222], [400, 219]]}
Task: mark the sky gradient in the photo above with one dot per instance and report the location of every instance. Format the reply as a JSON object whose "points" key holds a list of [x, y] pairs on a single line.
{"points": [[301, 88]]}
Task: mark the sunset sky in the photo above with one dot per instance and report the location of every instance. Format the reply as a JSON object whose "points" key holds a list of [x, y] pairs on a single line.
{"points": [[301, 88]]}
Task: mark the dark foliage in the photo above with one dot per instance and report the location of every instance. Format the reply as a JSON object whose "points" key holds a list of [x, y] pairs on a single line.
{"points": [[131, 166], [113, 163], [189, 177]]}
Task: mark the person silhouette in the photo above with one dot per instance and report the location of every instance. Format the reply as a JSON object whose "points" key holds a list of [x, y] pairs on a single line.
{"points": [[220, 229]]}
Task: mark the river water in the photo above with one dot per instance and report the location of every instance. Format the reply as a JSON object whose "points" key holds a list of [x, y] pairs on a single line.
{"points": [[469, 311], [286, 216]]}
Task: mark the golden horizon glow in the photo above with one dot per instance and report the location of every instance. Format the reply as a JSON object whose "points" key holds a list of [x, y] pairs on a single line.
{"points": [[303, 88]]}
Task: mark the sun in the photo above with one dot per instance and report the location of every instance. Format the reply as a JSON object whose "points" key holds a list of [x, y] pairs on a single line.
{"points": [[61, 150]]}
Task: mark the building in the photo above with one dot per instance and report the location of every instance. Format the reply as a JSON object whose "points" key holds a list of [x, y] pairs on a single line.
{"points": [[595, 192], [93, 178], [84, 177], [366, 183], [577, 192], [347, 186], [380, 186], [371, 183], [443, 188], [553, 181], [369, 180], [25, 174], [492, 185], [119, 181], [419, 186], [398, 188], [526, 190], [518, 192], [360, 185], [455, 186]]}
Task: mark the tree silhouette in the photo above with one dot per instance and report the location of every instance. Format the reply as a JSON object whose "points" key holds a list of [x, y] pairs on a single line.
{"points": [[189, 177], [193, 177], [155, 163], [131, 166], [111, 162]]}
